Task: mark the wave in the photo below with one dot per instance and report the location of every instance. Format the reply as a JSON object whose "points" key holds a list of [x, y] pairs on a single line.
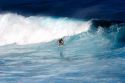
{"points": [[22, 30]]}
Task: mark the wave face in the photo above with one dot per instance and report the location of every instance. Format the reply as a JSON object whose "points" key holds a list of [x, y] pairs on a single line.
{"points": [[36, 29]]}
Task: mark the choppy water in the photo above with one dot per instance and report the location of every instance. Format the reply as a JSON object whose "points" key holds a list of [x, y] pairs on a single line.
{"points": [[94, 41], [94, 55]]}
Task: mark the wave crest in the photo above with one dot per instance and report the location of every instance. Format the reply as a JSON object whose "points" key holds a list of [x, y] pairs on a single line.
{"points": [[22, 30]]}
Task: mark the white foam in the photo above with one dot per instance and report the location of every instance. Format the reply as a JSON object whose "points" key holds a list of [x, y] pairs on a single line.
{"points": [[35, 29]]}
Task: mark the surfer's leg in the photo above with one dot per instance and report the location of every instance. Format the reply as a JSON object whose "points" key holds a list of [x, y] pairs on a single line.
{"points": [[61, 52]]}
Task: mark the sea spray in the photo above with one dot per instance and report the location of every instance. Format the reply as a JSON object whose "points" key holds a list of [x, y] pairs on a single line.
{"points": [[22, 30]]}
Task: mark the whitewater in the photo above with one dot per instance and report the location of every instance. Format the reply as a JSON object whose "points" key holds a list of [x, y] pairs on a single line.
{"points": [[27, 30], [29, 52]]}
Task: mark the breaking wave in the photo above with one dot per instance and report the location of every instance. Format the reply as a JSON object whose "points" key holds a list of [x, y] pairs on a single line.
{"points": [[22, 30]]}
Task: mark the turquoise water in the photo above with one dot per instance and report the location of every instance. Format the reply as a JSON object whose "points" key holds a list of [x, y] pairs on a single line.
{"points": [[94, 41], [29, 52], [87, 58]]}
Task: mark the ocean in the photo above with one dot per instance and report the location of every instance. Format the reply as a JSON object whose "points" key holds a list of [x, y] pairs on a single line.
{"points": [[94, 41]]}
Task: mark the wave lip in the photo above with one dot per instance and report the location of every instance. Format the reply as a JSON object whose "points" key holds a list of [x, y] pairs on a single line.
{"points": [[35, 29]]}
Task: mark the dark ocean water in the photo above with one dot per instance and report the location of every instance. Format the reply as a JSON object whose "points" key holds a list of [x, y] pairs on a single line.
{"points": [[94, 41], [82, 9]]}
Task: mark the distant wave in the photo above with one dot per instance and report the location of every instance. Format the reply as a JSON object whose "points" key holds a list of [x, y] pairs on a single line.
{"points": [[22, 30]]}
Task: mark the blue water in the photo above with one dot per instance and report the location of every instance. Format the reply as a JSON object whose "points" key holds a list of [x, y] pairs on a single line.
{"points": [[94, 41], [87, 58]]}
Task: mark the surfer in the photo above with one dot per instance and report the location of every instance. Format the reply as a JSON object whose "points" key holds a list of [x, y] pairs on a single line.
{"points": [[61, 42]]}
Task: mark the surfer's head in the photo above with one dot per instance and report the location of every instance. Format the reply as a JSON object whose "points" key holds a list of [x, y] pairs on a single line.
{"points": [[61, 41]]}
